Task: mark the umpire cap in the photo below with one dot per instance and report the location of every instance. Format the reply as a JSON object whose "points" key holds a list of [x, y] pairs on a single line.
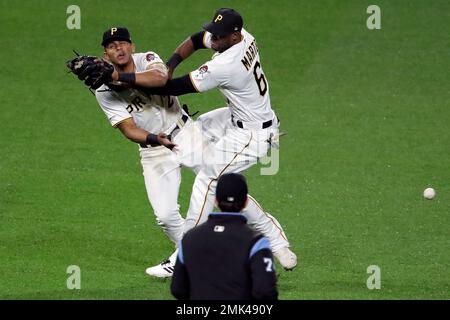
{"points": [[231, 192], [116, 33], [224, 22]]}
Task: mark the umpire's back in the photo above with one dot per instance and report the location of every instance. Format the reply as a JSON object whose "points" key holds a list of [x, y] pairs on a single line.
{"points": [[223, 258]]}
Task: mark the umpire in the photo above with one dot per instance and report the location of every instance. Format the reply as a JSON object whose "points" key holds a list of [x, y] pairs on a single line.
{"points": [[223, 258]]}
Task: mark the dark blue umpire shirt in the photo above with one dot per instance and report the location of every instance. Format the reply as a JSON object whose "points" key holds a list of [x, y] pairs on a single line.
{"points": [[224, 258]]}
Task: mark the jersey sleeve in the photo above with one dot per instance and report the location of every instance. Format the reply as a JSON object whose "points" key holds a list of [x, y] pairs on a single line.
{"points": [[114, 108], [149, 59], [264, 280], [207, 77]]}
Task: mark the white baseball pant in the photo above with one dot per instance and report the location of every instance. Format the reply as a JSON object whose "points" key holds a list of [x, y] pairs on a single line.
{"points": [[235, 151], [196, 145]]}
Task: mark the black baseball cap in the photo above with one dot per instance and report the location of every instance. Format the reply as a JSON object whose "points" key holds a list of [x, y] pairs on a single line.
{"points": [[232, 190], [224, 22], [116, 34]]}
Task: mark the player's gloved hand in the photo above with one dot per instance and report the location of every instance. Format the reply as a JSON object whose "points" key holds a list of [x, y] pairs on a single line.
{"points": [[165, 141], [99, 75], [92, 70]]}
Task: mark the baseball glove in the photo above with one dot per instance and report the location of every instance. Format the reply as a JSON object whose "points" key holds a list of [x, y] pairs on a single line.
{"points": [[92, 70]]}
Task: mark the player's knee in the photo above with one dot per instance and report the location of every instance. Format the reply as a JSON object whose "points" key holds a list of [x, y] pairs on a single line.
{"points": [[168, 217], [205, 180]]}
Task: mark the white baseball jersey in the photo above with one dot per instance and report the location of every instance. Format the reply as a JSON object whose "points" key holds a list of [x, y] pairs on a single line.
{"points": [[238, 74], [152, 113]]}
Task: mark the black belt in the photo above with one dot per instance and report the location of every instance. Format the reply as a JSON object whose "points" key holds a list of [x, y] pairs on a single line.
{"points": [[184, 119], [264, 125]]}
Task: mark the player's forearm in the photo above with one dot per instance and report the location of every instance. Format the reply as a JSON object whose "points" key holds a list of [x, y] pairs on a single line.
{"points": [[141, 136], [134, 134], [151, 78], [185, 50], [146, 79], [174, 87]]}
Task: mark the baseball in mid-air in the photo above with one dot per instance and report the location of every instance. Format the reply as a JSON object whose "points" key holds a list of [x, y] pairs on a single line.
{"points": [[429, 193]]}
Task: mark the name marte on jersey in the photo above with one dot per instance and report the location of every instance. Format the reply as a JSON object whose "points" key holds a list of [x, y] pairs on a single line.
{"points": [[250, 55]]}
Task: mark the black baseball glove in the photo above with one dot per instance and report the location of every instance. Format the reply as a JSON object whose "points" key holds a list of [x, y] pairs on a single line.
{"points": [[92, 70]]}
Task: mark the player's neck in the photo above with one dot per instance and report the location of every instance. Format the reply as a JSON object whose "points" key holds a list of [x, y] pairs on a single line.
{"points": [[128, 68], [236, 41]]}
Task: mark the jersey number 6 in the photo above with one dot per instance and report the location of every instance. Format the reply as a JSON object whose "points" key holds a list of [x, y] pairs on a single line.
{"points": [[260, 79]]}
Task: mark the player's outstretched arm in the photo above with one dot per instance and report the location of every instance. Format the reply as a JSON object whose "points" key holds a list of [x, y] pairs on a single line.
{"points": [[185, 50], [155, 76], [174, 87], [138, 135]]}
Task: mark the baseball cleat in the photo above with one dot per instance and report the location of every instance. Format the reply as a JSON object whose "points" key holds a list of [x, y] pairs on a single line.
{"points": [[287, 258], [164, 269]]}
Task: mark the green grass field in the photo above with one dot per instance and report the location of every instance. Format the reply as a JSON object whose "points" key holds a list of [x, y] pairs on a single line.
{"points": [[367, 114]]}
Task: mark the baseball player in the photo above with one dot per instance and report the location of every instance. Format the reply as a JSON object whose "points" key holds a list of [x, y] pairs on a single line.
{"points": [[140, 117], [235, 69], [168, 138]]}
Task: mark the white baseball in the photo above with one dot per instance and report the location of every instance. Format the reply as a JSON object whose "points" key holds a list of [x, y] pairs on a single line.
{"points": [[429, 193]]}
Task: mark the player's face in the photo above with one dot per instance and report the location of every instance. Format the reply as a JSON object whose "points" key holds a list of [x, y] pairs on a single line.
{"points": [[119, 52], [221, 43]]}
